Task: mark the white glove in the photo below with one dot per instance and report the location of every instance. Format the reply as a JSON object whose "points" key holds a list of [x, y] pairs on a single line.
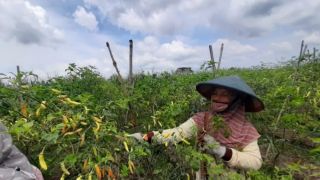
{"points": [[138, 136], [213, 147]]}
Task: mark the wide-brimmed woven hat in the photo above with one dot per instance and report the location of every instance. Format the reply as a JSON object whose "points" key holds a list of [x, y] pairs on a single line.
{"points": [[235, 83]]}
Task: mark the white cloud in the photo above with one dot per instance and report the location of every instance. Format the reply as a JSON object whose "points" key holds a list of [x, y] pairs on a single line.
{"points": [[167, 34], [27, 24], [235, 47], [282, 46], [154, 17], [312, 38], [85, 19], [247, 18]]}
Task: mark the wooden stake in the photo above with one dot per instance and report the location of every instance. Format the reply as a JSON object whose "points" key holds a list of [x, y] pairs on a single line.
{"points": [[19, 81], [220, 56], [211, 57], [114, 63], [20, 98], [314, 54], [304, 50], [301, 49], [130, 61]]}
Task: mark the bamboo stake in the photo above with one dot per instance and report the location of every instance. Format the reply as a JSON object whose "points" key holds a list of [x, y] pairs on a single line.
{"points": [[20, 98], [19, 80], [114, 63], [220, 56], [314, 54], [130, 114], [301, 49], [211, 57], [200, 142], [130, 61], [304, 50]]}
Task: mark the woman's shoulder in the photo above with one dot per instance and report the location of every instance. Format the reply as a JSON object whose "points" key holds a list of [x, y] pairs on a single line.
{"points": [[199, 114], [199, 117]]}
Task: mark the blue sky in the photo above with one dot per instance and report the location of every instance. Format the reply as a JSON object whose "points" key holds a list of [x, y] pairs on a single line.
{"points": [[44, 36]]}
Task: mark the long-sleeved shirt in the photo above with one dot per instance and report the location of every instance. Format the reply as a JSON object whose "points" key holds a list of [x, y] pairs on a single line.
{"points": [[249, 157]]}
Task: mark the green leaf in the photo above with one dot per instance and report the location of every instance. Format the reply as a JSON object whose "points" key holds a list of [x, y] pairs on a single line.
{"points": [[71, 159]]}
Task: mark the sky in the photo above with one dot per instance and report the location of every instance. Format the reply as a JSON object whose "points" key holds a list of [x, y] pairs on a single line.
{"points": [[45, 36]]}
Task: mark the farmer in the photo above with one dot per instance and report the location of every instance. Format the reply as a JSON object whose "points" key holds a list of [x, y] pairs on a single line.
{"points": [[223, 131], [14, 164]]}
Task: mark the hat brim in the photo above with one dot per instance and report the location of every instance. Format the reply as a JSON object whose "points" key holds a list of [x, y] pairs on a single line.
{"points": [[252, 103]]}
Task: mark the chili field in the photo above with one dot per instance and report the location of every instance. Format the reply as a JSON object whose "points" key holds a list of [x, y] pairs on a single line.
{"points": [[76, 126]]}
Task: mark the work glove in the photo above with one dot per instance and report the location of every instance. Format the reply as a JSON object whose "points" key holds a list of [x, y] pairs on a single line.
{"points": [[138, 136], [211, 146]]}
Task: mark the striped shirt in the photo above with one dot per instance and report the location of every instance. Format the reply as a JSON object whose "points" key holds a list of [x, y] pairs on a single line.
{"points": [[234, 130]]}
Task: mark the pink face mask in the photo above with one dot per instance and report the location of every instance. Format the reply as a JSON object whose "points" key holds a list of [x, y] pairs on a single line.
{"points": [[218, 107]]}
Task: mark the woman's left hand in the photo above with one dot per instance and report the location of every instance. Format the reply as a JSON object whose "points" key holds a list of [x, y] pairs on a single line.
{"points": [[213, 147]]}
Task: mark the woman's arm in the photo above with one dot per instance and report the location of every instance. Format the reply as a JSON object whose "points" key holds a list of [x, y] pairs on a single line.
{"points": [[185, 131], [248, 158]]}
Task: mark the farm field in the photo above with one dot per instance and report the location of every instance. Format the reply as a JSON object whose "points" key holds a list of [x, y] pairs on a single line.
{"points": [[79, 123]]}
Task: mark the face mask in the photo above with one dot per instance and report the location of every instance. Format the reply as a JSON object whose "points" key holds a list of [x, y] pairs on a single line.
{"points": [[218, 107]]}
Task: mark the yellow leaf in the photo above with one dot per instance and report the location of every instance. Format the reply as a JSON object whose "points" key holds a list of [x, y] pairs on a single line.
{"points": [[131, 166], [69, 133], [188, 177], [159, 123], [63, 176], [40, 108], [98, 171], [86, 110], [43, 105], [97, 119], [154, 120], [73, 123], [308, 94], [71, 102], [65, 119], [42, 162], [185, 141], [38, 112], [78, 130], [24, 111], [62, 96], [90, 176], [126, 146], [110, 173], [64, 129], [64, 169], [83, 123], [25, 86], [79, 177], [85, 165], [97, 128], [103, 171], [56, 91], [82, 139], [94, 149]]}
